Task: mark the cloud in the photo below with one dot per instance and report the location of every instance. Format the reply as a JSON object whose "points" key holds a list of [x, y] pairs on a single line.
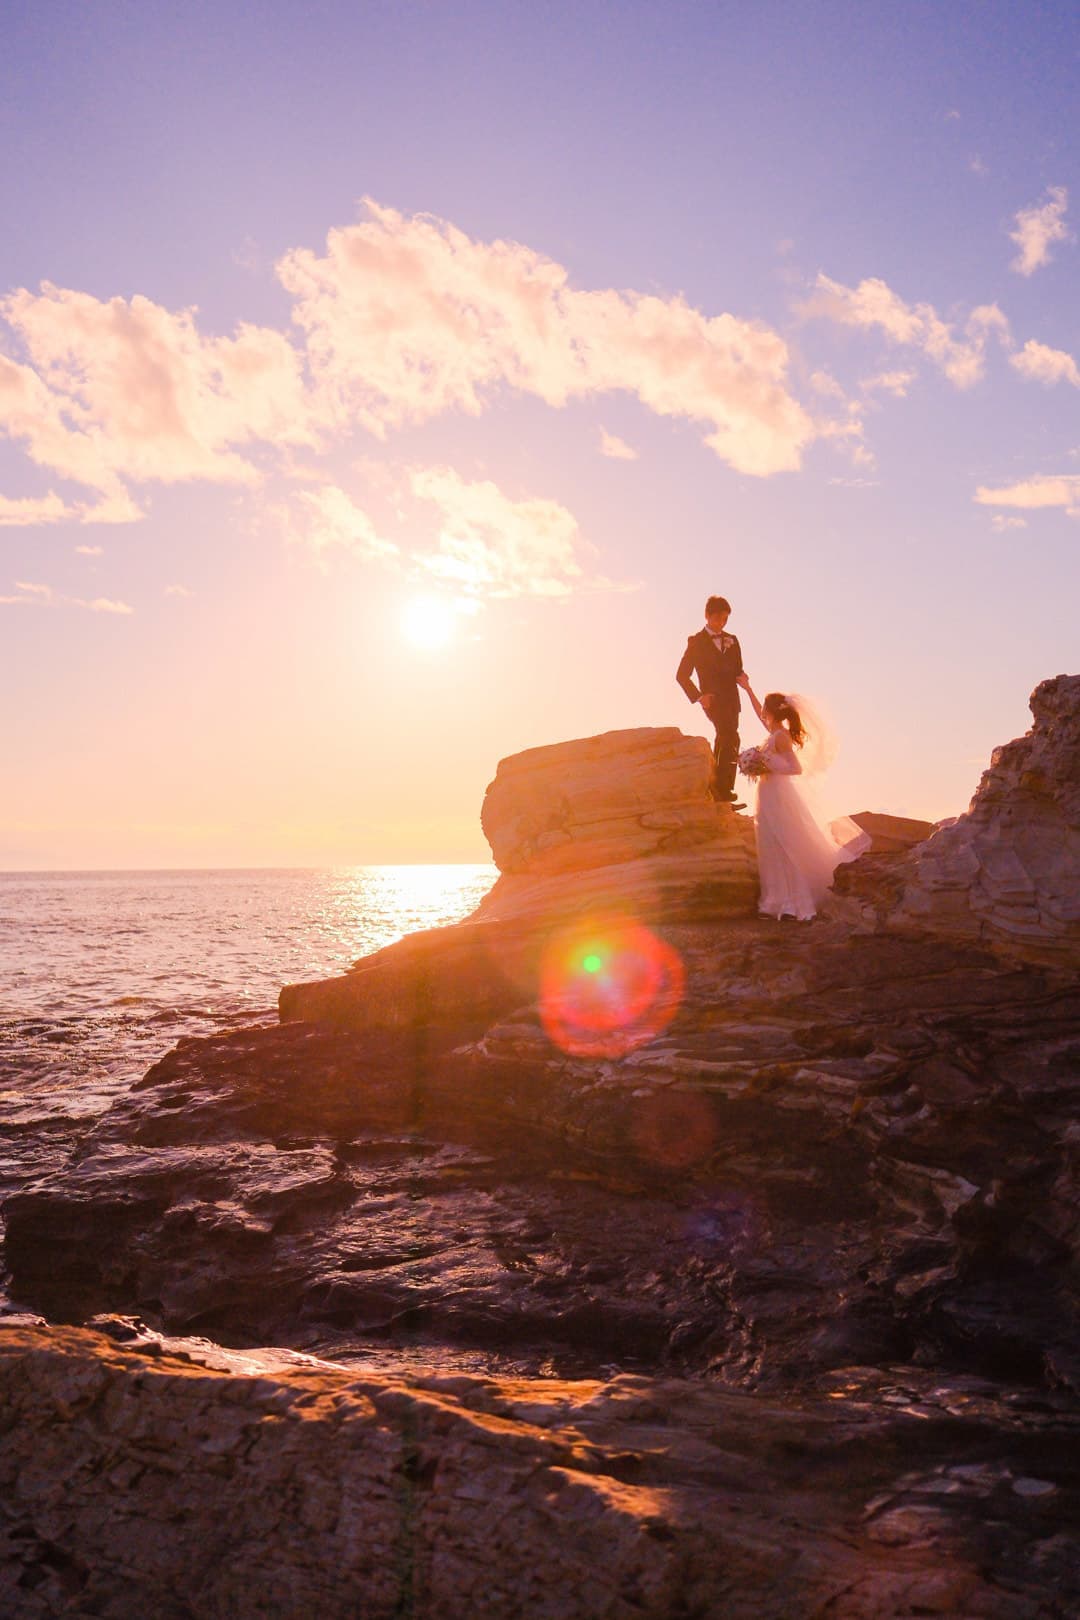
{"points": [[468, 534], [178, 590], [977, 166], [889, 382], [1000, 523], [32, 510], [123, 389], [873, 304], [618, 449], [1045, 365], [44, 596], [327, 517], [101, 604], [825, 384], [1033, 494], [401, 319], [407, 318], [1038, 228], [89, 551], [490, 545]]}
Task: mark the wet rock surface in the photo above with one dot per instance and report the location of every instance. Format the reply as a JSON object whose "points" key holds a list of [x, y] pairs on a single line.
{"points": [[842, 1151]]}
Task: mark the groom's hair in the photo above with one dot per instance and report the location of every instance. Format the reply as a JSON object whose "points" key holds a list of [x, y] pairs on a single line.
{"points": [[717, 604]]}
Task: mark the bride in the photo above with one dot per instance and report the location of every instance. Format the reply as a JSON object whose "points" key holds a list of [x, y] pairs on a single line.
{"points": [[798, 851]]}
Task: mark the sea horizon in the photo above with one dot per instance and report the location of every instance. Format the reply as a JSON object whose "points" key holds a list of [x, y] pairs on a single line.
{"points": [[131, 871]]}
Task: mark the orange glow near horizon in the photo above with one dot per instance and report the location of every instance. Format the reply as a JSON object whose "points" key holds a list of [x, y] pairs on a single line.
{"points": [[608, 987]]}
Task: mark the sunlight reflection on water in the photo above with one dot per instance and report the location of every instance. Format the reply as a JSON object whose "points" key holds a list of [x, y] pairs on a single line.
{"points": [[100, 972]]}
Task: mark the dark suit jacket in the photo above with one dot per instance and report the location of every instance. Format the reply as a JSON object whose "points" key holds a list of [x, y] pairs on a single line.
{"points": [[715, 671]]}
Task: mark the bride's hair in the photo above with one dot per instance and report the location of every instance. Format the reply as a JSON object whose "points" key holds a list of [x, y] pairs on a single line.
{"points": [[780, 709]]}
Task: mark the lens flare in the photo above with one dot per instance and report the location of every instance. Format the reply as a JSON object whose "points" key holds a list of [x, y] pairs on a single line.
{"points": [[606, 988]]}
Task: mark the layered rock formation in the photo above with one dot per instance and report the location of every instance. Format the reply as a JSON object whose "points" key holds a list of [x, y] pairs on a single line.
{"points": [[599, 801], [842, 1151], [1008, 871], [141, 1478], [811, 1238], [614, 826]]}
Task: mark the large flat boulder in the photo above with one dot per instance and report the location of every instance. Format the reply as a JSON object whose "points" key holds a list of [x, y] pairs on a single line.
{"points": [[619, 825], [598, 801]]}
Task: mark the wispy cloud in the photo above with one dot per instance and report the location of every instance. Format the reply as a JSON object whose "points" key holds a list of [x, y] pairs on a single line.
{"points": [[408, 317], [33, 593], [1042, 364], [490, 545], [873, 305], [29, 511], [827, 386], [327, 518], [1034, 494], [89, 551], [1000, 523], [100, 604], [466, 533], [618, 449], [178, 590], [1038, 228], [889, 382]]}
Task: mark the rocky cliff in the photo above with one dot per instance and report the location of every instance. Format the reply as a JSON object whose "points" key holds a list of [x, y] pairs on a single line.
{"points": [[1008, 872], [704, 1265]]}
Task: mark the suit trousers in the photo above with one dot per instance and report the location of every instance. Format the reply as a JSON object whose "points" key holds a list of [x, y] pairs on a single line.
{"points": [[725, 753]]}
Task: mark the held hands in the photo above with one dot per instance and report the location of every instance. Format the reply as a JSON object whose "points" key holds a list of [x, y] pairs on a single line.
{"points": [[743, 680]]}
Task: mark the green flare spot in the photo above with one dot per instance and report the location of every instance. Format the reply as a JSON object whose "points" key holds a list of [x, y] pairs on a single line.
{"points": [[592, 963]]}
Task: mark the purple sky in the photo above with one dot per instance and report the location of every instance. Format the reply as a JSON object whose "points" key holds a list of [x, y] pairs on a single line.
{"points": [[648, 302]]}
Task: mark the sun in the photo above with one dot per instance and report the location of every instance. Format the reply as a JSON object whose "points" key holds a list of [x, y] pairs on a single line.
{"points": [[428, 622]]}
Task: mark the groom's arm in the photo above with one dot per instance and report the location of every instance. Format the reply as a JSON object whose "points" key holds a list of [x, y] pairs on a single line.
{"points": [[684, 674]]}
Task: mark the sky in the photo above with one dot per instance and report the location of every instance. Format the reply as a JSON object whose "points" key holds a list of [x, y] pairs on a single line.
{"points": [[384, 387]]}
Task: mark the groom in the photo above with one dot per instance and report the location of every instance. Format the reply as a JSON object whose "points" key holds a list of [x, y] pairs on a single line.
{"points": [[715, 658]]}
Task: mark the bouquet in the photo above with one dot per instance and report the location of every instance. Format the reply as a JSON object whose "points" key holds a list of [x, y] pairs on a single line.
{"points": [[752, 762]]}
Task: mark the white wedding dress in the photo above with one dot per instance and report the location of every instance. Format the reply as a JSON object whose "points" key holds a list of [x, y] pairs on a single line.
{"points": [[798, 851]]}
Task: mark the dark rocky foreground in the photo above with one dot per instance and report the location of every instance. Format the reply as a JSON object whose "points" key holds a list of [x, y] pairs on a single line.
{"points": [[773, 1313], [141, 1478]]}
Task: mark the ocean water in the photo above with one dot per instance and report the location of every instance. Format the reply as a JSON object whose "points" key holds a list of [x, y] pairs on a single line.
{"points": [[101, 972]]}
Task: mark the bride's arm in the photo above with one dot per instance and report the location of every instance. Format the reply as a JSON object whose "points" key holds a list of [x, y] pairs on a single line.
{"points": [[748, 689]]}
